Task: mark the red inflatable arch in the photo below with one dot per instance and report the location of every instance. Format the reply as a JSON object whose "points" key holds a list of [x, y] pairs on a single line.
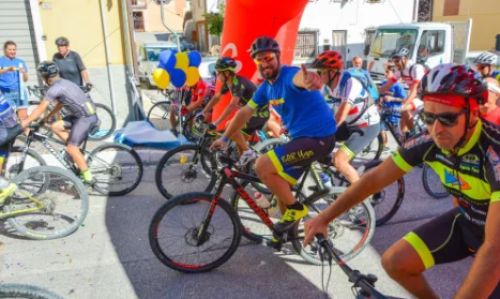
{"points": [[246, 20]]}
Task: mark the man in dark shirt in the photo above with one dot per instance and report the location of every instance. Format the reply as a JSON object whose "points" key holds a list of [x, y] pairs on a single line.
{"points": [[70, 64]]}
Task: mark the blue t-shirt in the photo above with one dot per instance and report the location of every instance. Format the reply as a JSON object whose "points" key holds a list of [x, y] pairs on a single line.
{"points": [[10, 80], [304, 113], [396, 91]]}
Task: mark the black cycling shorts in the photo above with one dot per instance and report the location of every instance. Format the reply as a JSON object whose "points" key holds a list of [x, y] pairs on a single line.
{"points": [[254, 124], [446, 239], [290, 159], [79, 127]]}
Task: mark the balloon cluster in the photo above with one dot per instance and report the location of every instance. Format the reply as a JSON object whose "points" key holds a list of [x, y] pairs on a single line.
{"points": [[177, 68]]}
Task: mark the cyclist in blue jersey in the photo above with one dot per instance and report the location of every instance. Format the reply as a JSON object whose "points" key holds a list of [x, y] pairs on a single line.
{"points": [[392, 103], [486, 64], [294, 94]]}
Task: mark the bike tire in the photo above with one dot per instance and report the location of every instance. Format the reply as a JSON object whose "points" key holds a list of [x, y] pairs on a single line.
{"points": [[369, 224], [426, 181], [78, 185], [206, 160], [189, 200], [117, 167], [12, 171], [102, 109], [155, 122], [26, 291]]}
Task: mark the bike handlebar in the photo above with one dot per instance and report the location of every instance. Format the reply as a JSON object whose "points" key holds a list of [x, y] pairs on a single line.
{"points": [[364, 282]]}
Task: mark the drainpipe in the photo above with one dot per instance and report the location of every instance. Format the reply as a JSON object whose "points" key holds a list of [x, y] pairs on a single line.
{"points": [[126, 33], [127, 7], [415, 10], [168, 28], [106, 48]]}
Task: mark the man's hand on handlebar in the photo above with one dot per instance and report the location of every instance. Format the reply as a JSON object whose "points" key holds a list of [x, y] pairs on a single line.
{"points": [[314, 226], [219, 143]]}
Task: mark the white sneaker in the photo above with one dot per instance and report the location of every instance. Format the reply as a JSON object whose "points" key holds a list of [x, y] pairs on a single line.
{"points": [[245, 158]]}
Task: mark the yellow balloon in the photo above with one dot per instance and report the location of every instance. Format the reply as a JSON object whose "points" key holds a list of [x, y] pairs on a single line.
{"points": [[161, 78], [182, 61], [192, 76]]}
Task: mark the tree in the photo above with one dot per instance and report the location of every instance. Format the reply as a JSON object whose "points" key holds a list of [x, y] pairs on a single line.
{"points": [[215, 21]]}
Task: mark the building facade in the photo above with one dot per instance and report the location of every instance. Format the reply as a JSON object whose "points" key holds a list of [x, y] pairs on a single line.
{"points": [[147, 15], [485, 16]]}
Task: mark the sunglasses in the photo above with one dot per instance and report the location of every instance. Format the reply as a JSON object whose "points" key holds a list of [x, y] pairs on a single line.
{"points": [[267, 58], [447, 119], [396, 60], [481, 67]]}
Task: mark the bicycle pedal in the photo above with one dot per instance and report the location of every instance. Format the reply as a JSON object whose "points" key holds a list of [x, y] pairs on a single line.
{"points": [[274, 244]]}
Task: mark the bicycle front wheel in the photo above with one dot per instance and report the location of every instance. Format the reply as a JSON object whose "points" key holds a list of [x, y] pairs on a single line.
{"points": [[25, 291], [107, 122], [159, 115], [349, 233], [117, 169], [54, 213], [174, 233]]}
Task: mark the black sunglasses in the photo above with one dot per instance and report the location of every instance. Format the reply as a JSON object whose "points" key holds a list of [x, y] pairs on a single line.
{"points": [[447, 119]]}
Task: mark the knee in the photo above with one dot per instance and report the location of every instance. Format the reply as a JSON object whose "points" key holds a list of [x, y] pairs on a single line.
{"points": [[57, 126], [72, 148], [340, 160], [395, 262]]}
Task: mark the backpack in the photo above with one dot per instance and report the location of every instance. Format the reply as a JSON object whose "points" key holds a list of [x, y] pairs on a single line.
{"points": [[420, 61]]}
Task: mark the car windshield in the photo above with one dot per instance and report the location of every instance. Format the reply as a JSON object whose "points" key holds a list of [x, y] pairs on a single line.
{"points": [[154, 53], [387, 40]]}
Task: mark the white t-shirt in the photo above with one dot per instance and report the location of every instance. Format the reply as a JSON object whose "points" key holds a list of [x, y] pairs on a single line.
{"points": [[417, 73], [357, 98]]}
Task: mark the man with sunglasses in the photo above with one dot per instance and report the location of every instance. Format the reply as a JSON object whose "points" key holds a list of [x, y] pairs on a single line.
{"points": [[354, 110], [486, 64], [241, 90], [294, 94], [411, 73], [464, 152]]}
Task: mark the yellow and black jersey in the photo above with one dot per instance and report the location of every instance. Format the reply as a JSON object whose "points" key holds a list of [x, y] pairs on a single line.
{"points": [[472, 175]]}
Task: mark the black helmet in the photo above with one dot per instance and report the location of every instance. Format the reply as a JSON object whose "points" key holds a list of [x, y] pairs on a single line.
{"points": [[400, 53], [62, 41], [262, 44], [48, 69], [225, 64]]}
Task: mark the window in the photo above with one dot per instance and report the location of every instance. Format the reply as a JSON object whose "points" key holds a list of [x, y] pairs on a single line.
{"points": [[138, 18], [387, 40], [307, 44], [451, 7], [369, 38], [139, 4], [431, 43]]}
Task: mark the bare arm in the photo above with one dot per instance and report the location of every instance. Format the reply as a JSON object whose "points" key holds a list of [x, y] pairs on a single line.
{"points": [[85, 76], [214, 101], [484, 274], [386, 86], [39, 110], [56, 109], [342, 113], [239, 120], [195, 105], [412, 95], [233, 105], [307, 80]]}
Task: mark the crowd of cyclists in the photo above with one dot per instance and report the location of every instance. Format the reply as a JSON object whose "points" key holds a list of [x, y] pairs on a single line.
{"points": [[458, 105]]}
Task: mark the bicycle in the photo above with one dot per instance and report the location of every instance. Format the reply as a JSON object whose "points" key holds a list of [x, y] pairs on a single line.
{"points": [[26, 291], [107, 120], [381, 201], [110, 163], [200, 234], [194, 161], [46, 199], [363, 285]]}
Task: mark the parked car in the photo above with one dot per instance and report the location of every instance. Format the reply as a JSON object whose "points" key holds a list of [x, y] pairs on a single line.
{"points": [[148, 59], [185, 45]]}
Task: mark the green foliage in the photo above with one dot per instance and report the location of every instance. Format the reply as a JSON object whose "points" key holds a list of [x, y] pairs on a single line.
{"points": [[215, 21]]}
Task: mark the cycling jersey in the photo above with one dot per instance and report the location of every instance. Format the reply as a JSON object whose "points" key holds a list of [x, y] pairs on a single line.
{"points": [[473, 175], [357, 97], [496, 75], [304, 113], [493, 116], [417, 73], [244, 89], [198, 92], [70, 95]]}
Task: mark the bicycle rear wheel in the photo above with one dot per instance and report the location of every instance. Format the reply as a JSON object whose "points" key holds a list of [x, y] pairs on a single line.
{"points": [[174, 230], [107, 122], [117, 169], [64, 199], [26, 291], [432, 183], [159, 115], [349, 233]]}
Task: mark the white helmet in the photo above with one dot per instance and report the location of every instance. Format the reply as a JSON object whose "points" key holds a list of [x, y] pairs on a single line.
{"points": [[400, 53], [486, 58]]}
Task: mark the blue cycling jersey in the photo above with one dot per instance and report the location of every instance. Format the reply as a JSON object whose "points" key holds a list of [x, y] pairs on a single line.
{"points": [[304, 113]]}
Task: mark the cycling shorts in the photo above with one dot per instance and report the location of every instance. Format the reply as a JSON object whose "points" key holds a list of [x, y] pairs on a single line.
{"points": [[6, 142], [447, 238], [356, 143], [290, 159], [254, 124], [416, 106], [80, 128]]}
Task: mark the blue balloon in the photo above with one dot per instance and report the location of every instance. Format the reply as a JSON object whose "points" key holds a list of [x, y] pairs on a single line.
{"points": [[177, 77], [194, 58], [167, 60]]}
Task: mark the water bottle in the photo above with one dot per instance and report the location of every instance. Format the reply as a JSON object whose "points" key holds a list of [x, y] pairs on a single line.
{"points": [[3, 183], [264, 204], [326, 179]]}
